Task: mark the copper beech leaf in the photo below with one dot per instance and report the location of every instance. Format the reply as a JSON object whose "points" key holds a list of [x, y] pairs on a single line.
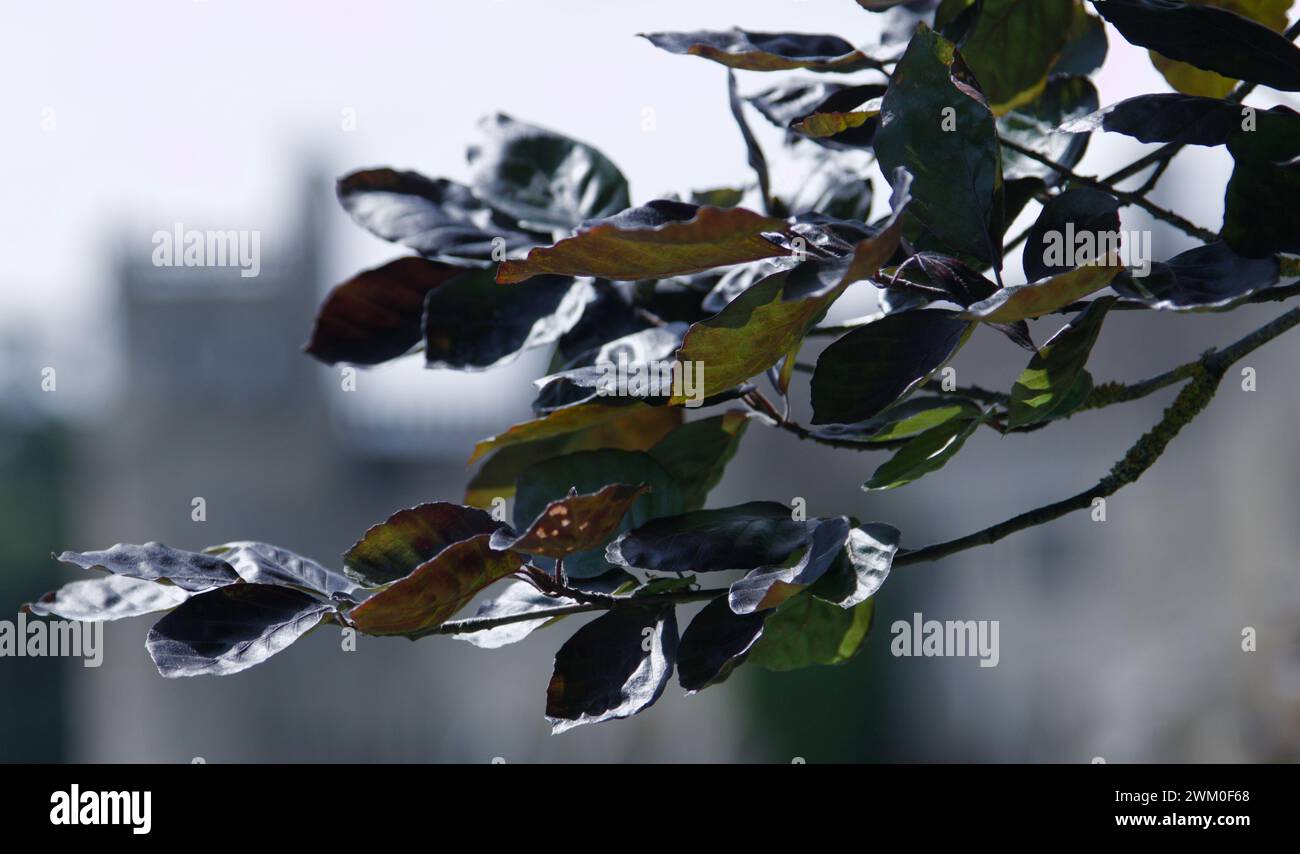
{"points": [[114, 597], [637, 430], [190, 571], [655, 241], [376, 315], [558, 422], [872, 366], [263, 563], [393, 548], [767, 587], [229, 629], [747, 536], [1209, 38], [613, 667], [715, 643], [1054, 371], [572, 524], [1019, 302], [770, 319], [1196, 81], [1013, 45], [807, 631], [753, 51], [435, 590]]}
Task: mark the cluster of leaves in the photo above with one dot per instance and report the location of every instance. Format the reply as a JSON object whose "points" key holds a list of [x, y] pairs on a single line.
{"points": [[985, 112]]}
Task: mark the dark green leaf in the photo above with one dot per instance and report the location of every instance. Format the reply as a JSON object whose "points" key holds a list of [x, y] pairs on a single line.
{"points": [[1013, 45], [753, 51], [715, 643], [1207, 278], [438, 218], [767, 587], [435, 590], [1260, 214], [807, 631], [1074, 227], [1209, 38], [1032, 126], [395, 547], [923, 454], [613, 667], [874, 365], [937, 125], [472, 322], [1053, 373], [155, 562], [1166, 117], [543, 179], [230, 629], [696, 454], [746, 536], [903, 420], [1086, 49]]}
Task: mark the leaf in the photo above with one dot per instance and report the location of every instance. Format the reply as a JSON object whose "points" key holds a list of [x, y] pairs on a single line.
{"points": [[541, 178], [1052, 374], [559, 422], [1209, 38], [767, 587], [659, 239], [957, 186], [1019, 302], [807, 631], [588, 472], [746, 536], [1074, 224], [1032, 126], [394, 548], [155, 562], [771, 318], [261, 563], [1194, 81], [821, 125], [752, 51], [714, 644], [862, 568], [229, 629], [438, 218], [1085, 52], [633, 367], [1207, 278], [613, 667], [1260, 216], [521, 597], [435, 590], [696, 454], [573, 524], [638, 430], [923, 454], [376, 315], [112, 598], [1013, 45], [1166, 117], [471, 322], [872, 366], [902, 420]]}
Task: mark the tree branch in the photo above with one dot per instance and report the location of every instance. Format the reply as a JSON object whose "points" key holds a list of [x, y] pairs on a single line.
{"points": [[1205, 374], [1128, 198]]}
